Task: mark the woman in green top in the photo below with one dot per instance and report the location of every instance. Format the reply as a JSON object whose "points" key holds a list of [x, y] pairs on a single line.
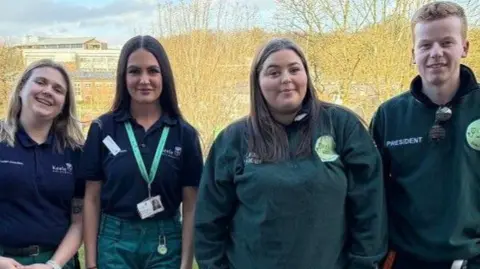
{"points": [[296, 184]]}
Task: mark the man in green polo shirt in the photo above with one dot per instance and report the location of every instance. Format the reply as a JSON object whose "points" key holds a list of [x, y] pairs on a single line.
{"points": [[429, 138]]}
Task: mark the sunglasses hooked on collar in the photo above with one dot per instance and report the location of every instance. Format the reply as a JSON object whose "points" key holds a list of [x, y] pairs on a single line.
{"points": [[438, 132]]}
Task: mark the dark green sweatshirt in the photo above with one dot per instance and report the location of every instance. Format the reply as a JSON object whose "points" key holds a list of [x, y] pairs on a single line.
{"points": [[325, 211], [433, 188]]}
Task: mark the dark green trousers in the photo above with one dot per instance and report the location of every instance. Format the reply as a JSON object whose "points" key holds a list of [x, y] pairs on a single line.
{"points": [[135, 244], [40, 258], [399, 260]]}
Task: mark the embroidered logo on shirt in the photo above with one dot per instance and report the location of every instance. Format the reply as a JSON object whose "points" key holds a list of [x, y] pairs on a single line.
{"points": [[325, 148], [473, 134], [175, 153], [404, 141], [252, 158], [11, 162], [67, 169]]}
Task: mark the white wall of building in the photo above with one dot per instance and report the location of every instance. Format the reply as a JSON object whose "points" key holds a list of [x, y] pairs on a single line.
{"points": [[91, 60]]}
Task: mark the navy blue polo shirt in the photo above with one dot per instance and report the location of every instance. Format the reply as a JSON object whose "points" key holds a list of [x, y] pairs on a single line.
{"points": [[37, 185], [123, 187]]}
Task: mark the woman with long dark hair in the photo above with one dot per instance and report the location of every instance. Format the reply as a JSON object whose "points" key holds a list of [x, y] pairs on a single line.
{"points": [[141, 160], [296, 184]]}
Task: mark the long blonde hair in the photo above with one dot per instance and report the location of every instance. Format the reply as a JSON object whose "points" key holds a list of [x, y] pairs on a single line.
{"points": [[66, 127]]}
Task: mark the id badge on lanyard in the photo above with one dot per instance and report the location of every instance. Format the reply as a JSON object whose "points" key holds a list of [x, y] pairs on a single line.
{"points": [[152, 205]]}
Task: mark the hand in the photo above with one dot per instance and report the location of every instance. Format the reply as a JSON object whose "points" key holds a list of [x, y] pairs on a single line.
{"points": [[7, 263], [36, 266]]}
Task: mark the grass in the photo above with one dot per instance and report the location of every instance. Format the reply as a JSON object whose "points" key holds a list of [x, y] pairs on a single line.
{"points": [[81, 254], [81, 257]]}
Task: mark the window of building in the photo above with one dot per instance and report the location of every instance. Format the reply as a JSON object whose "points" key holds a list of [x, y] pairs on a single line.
{"points": [[77, 88]]}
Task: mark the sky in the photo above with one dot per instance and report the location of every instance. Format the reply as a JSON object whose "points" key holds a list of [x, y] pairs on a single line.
{"points": [[111, 21]]}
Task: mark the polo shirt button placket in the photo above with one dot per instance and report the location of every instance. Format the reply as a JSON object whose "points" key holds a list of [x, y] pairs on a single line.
{"points": [[37, 157]]}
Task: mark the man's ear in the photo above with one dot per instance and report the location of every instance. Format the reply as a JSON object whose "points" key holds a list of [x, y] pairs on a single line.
{"points": [[413, 56], [466, 47]]}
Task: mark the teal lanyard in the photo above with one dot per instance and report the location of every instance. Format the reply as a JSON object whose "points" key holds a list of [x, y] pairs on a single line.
{"points": [[138, 157]]}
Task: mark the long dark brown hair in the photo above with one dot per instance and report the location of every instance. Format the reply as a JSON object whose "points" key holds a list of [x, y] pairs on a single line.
{"points": [[168, 98], [266, 137]]}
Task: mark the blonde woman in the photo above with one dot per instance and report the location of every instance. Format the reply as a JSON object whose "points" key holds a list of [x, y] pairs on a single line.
{"points": [[40, 198]]}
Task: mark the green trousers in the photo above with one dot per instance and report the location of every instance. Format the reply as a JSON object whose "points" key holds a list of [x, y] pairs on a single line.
{"points": [[400, 260], [142, 244], [40, 258]]}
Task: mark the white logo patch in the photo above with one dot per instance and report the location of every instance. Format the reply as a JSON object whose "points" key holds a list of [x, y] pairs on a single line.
{"points": [[473, 134], [325, 148]]}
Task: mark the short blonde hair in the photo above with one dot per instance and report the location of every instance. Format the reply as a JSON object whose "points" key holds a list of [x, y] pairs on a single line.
{"points": [[66, 127], [440, 10]]}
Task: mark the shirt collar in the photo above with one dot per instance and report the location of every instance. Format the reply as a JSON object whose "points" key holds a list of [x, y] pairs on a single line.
{"points": [[300, 118], [303, 113], [468, 83], [25, 140]]}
